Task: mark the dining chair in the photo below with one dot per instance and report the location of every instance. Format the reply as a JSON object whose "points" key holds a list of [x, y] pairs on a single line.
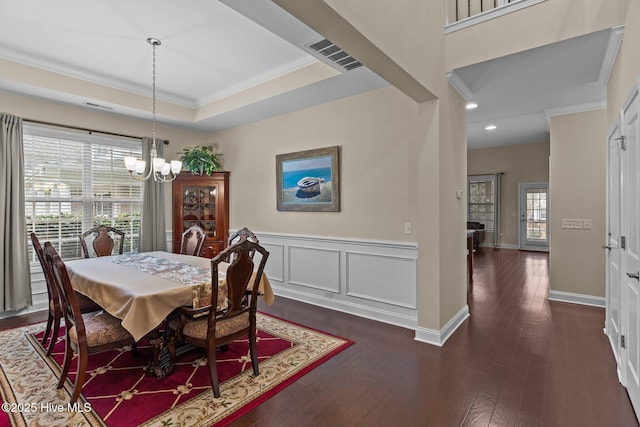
{"points": [[85, 304], [240, 236], [84, 335], [243, 234], [192, 241], [221, 326], [103, 240]]}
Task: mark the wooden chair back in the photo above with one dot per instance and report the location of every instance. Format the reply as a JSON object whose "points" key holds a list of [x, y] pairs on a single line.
{"points": [[84, 336], [243, 234], [46, 268], [236, 320], [103, 240], [69, 305], [238, 275], [240, 236], [192, 241], [55, 312]]}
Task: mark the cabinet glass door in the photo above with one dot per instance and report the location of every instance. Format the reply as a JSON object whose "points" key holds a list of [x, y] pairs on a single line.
{"points": [[199, 208]]}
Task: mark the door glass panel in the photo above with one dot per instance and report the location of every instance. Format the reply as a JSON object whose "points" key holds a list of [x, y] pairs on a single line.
{"points": [[536, 214]]}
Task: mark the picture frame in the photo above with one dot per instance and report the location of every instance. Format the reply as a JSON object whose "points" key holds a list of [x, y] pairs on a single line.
{"points": [[309, 181]]}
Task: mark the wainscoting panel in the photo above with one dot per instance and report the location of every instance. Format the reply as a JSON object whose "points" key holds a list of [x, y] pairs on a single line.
{"points": [[313, 267], [275, 263], [372, 279], [395, 274]]}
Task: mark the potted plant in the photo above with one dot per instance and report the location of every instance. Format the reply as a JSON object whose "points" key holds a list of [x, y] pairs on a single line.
{"points": [[201, 159]]}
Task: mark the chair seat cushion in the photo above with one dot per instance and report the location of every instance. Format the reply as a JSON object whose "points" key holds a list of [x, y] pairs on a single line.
{"points": [[198, 328], [101, 329]]}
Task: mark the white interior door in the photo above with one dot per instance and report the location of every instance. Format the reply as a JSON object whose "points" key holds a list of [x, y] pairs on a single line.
{"points": [[614, 252], [631, 258], [534, 216]]}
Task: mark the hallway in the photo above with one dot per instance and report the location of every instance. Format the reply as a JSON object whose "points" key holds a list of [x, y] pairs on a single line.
{"points": [[519, 360]]}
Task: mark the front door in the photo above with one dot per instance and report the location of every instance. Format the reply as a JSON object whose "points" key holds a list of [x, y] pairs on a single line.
{"points": [[631, 231], [534, 217]]}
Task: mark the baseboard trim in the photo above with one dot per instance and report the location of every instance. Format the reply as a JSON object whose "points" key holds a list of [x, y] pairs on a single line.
{"points": [[348, 307], [41, 306], [438, 338], [500, 246], [577, 298]]}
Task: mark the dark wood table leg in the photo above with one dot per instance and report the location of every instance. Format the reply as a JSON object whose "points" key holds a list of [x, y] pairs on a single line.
{"points": [[164, 354]]}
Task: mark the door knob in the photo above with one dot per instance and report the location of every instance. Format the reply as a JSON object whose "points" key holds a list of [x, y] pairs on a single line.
{"points": [[606, 247], [634, 275]]}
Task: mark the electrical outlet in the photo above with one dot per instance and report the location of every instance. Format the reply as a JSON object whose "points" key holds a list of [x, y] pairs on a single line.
{"points": [[407, 228], [586, 224]]}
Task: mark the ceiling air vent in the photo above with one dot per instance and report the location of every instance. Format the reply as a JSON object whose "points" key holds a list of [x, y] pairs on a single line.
{"points": [[333, 53]]}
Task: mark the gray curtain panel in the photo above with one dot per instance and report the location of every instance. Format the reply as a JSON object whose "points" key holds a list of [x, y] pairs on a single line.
{"points": [[152, 228], [14, 261]]}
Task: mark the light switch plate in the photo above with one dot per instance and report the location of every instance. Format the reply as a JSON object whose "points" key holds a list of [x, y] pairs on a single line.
{"points": [[407, 228], [572, 223]]}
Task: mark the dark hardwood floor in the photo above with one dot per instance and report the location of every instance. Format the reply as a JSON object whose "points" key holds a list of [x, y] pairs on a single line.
{"points": [[519, 360]]}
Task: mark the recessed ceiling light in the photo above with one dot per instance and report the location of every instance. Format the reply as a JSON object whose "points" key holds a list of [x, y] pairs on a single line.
{"points": [[491, 127], [472, 106]]}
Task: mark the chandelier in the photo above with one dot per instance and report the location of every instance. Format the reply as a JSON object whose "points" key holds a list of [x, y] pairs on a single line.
{"points": [[160, 170]]}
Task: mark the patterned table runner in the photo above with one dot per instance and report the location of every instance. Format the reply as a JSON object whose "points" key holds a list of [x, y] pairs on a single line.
{"points": [[186, 274]]}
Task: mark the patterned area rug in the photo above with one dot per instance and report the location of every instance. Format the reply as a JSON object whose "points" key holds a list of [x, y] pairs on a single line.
{"points": [[117, 393]]}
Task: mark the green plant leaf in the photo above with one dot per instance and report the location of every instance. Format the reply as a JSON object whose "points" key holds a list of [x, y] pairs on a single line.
{"points": [[201, 159]]}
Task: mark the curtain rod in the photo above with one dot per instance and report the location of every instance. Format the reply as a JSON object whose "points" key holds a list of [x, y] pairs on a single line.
{"points": [[40, 122]]}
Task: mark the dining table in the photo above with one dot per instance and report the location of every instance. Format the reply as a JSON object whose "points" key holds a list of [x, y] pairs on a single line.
{"points": [[143, 289]]}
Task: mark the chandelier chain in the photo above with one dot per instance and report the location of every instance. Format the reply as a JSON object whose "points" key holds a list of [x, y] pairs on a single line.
{"points": [[153, 88], [159, 169]]}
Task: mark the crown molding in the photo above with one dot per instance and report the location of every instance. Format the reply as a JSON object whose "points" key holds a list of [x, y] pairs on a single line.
{"points": [[459, 85], [615, 40], [572, 109], [258, 80]]}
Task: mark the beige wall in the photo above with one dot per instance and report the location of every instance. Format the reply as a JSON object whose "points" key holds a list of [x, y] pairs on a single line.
{"points": [[65, 115], [452, 168], [523, 163], [390, 174], [538, 25], [376, 132], [404, 43], [626, 70], [404, 31], [577, 180]]}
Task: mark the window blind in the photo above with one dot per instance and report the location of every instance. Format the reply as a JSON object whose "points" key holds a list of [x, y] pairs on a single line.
{"points": [[75, 180]]}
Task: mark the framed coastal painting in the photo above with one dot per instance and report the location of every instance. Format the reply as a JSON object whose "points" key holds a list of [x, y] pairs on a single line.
{"points": [[309, 181]]}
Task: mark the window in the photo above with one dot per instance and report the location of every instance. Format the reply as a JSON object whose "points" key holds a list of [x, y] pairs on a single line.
{"points": [[481, 203], [75, 180]]}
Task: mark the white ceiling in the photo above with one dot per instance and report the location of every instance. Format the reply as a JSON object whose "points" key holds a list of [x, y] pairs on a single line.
{"points": [[212, 50], [518, 92], [209, 52]]}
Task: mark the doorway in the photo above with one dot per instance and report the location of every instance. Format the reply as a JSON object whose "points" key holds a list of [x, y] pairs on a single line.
{"points": [[534, 216]]}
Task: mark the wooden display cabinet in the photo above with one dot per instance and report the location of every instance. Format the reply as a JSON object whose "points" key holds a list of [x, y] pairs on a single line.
{"points": [[202, 200]]}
